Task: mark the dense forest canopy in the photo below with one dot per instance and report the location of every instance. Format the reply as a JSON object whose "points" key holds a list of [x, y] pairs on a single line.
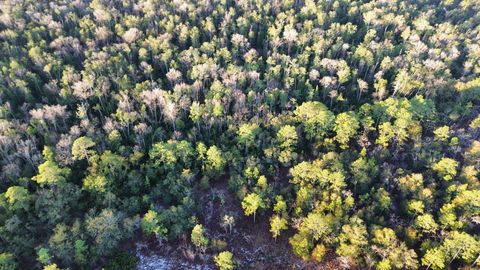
{"points": [[351, 126]]}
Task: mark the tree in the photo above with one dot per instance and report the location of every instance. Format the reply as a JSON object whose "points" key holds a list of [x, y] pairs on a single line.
{"points": [[7, 261], [131, 35], [386, 134], [384, 264], [198, 238], [49, 172], [426, 223], [316, 118], [262, 183], [227, 221], [51, 267], [473, 154], [475, 124], [287, 137], [60, 241], [384, 199], [53, 205], [346, 126], [122, 261], [224, 261], [43, 256], [446, 168], [461, 245], [456, 245], [81, 148], [150, 224], [434, 259], [411, 184], [137, 105], [105, 229], [363, 169], [172, 155], [280, 206], [251, 203], [17, 197], [196, 112], [319, 252], [246, 134], [287, 141], [301, 245], [170, 110], [353, 239], [394, 253], [105, 171], [81, 252], [290, 36], [215, 161], [277, 224], [317, 226], [442, 133]]}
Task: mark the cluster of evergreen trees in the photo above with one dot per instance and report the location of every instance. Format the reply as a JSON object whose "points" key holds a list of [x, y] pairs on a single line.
{"points": [[110, 108]]}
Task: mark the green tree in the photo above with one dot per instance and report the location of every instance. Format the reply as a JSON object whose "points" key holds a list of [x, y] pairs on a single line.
{"points": [[150, 224], [346, 126], [301, 245], [7, 261], [317, 226], [411, 184], [287, 139], [251, 203], [353, 240], [81, 252], [316, 118], [81, 148], [17, 197], [122, 261], [446, 168], [43, 256], [442, 133], [434, 259], [60, 241], [215, 161], [105, 229], [318, 253], [426, 223], [196, 112], [475, 124], [53, 205], [262, 182], [280, 206], [49, 172], [394, 253], [246, 134], [461, 245], [457, 245], [199, 239], [383, 199], [172, 155], [277, 224], [224, 261], [386, 134], [51, 267]]}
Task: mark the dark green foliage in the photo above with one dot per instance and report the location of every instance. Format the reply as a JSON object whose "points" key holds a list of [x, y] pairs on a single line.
{"points": [[122, 261]]}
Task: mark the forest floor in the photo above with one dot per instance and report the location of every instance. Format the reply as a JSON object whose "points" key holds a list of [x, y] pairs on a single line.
{"points": [[250, 242]]}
